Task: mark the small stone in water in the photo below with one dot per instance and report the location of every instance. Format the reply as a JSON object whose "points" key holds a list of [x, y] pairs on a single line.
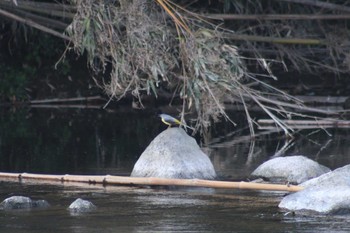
{"points": [[80, 205]]}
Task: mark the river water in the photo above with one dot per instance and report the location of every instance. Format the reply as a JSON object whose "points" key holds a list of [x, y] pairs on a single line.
{"points": [[92, 141]]}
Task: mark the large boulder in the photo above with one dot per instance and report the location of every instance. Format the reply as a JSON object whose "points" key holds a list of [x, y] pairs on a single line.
{"points": [[327, 194], [292, 169], [174, 154], [21, 202]]}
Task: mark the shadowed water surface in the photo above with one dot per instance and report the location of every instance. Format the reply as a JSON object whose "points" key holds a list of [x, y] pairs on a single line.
{"points": [[98, 142]]}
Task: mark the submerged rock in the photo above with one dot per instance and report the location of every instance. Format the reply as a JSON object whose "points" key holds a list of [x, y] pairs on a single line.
{"points": [[81, 206], [174, 154], [293, 169], [17, 202], [327, 194], [21, 202], [40, 204]]}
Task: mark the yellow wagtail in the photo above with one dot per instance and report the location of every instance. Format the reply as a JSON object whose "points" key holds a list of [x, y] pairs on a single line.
{"points": [[171, 121]]}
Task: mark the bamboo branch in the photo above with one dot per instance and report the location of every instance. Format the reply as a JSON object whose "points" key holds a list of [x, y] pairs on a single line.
{"points": [[48, 9], [295, 106], [308, 123], [37, 4], [277, 16], [45, 21], [275, 40], [124, 180], [325, 5], [61, 106], [33, 24], [322, 99], [305, 127], [56, 100]]}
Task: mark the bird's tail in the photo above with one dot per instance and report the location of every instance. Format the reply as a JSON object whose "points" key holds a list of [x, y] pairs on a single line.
{"points": [[186, 126]]}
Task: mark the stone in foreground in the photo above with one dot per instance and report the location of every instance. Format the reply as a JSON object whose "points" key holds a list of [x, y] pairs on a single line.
{"points": [[21, 202], [174, 154], [81, 206], [293, 169], [327, 194]]}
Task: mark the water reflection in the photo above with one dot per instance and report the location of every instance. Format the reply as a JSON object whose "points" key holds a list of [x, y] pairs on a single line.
{"points": [[90, 141], [238, 156], [93, 141], [72, 141]]}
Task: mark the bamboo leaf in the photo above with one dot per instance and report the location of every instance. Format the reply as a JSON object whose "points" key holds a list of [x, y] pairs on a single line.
{"points": [[153, 87], [211, 76]]}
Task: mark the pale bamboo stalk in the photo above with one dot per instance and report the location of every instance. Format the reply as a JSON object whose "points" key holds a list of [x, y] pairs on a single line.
{"points": [[33, 24], [45, 21], [299, 107], [308, 122], [277, 16], [276, 40], [302, 127], [322, 99], [57, 13], [28, 5], [61, 106], [125, 180], [74, 99], [321, 4]]}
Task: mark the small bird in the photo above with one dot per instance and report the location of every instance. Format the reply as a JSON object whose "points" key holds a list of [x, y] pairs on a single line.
{"points": [[171, 121]]}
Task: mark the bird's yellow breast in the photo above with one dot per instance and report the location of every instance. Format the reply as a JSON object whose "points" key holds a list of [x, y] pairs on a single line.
{"points": [[167, 123]]}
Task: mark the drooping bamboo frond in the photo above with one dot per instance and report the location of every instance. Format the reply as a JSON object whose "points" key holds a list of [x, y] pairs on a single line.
{"points": [[160, 45]]}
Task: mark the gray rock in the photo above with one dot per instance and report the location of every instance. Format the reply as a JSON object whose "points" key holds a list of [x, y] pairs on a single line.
{"points": [[81, 206], [324, 201], [16, 202], [293, 169], [20, 202], [174, 154], [40, 204], [327, 194], [338, 177]]}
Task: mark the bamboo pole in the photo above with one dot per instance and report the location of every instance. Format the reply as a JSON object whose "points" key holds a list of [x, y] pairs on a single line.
{"points": [[275, 40], [61, 13], [319, 123], [321, 4], [53, 9], [37, 4], [322, 99], [62, 106], [45, 21], [277, 16], [33, 24], [74, 99], [152, 181]]}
